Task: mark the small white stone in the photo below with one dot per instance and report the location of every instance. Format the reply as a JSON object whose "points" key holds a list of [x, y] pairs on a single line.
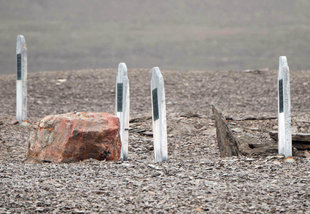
{"points": [[277, 162], [249, 159], [237, 130], [280, 156], [62, 80], [154, 167]]}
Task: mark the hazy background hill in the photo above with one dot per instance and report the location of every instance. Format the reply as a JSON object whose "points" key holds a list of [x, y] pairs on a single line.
{"points": [[172, 34]]}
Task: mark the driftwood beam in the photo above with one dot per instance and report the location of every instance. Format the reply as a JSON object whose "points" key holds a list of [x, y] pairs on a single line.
{"points": [[300, 140], [252, 118], [227, 143]]}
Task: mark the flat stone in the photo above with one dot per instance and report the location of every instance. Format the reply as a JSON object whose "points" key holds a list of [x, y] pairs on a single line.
{"points": [[25, 123], [280, 156], [289, 160], [237, 130], [307, 154], [299, 140], [14, 122]]}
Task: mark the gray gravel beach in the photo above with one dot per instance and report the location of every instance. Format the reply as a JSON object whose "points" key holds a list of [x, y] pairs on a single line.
{"points": [[194, 180]]}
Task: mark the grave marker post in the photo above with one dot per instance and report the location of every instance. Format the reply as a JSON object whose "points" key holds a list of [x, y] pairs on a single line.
{"points": [[159, 116], [284, 109], [21, 80], [122, 104]]}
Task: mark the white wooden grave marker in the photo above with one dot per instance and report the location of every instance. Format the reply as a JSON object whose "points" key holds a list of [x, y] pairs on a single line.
{"points": [[284, 109], [122, 107], [21, 80], [159, 116]]}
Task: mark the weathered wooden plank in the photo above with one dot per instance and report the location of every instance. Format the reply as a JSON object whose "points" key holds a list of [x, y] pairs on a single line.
{"points": [[227, 143], [299, 140]]}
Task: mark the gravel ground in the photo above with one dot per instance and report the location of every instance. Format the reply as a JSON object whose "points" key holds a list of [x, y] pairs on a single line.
{"points": [[194, 180]]}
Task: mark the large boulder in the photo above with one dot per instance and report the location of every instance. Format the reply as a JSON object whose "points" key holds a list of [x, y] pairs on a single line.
{"points": [[74, 137]]}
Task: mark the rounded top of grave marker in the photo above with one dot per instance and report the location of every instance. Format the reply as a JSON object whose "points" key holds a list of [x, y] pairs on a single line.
{"points": [[156, 73], [283, 61], [20, 44], [122, 69], [283, 67]]}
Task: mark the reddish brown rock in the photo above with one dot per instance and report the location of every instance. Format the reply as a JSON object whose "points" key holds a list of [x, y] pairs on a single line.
{"points": [[74, 137]]}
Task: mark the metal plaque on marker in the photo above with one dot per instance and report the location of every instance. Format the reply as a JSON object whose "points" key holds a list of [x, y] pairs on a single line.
{"points": [[281, 104], [19, 66], [155, 104], [119, 97]]}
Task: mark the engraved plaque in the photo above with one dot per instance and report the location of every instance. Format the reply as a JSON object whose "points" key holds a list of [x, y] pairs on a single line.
{"points": [[19, 66], [119, 97], [281, 104], [155, 104]]}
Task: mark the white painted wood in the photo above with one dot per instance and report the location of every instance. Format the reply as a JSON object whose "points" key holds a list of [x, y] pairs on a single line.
{"points": [[284, 109], [122, 106], [160, 122], [21, 80]]}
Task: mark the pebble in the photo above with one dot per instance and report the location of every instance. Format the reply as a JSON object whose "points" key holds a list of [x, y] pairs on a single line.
{"points": [[277, 162], [279, 156], [249, 159], [237, 130], [14, 122], [307, 154], [289, 160], [25, 123], [154, 167], [254, 129]]}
